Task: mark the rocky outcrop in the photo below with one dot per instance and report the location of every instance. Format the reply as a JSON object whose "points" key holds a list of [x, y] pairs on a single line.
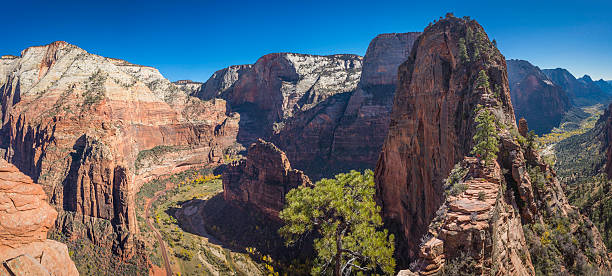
{"points": [[79, 124], [582, 92], [347, 131], [432, 122], [222, 82], [26, 217], [459, 208], [269, 92], [262, 179], [188, 86], [535, 97]]}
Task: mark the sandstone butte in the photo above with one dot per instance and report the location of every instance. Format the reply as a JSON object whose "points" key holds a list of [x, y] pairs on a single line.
{"points": [[25, 218], [431, 130], [92, 129], [262, 179]]}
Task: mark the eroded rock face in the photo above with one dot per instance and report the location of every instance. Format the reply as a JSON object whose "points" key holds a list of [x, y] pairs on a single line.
{"points": [[79, 124], [262, 179], [346, 132], [25, 219], [432, 123], [535, 97], [271, 91], [487, 214], [582, 91]]}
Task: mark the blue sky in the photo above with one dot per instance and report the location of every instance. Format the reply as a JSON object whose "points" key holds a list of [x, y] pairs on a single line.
{"points": [[192, 39]]}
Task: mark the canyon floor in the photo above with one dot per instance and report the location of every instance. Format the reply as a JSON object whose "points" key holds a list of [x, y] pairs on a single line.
{"points": [[160, 201]]}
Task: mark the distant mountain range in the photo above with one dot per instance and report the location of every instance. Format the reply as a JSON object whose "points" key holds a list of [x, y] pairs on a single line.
{"points": [[542, 97]]}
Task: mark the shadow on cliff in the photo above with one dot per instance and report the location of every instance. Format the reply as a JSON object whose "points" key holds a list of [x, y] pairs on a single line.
{"points": [[238, 227], [69, 183]]}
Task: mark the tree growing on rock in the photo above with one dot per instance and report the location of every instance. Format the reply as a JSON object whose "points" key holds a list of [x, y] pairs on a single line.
{"points": [[463, 54], [343, 213], [482, 82], [486, 140]]}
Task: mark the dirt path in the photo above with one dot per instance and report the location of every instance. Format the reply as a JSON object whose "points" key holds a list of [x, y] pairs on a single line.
{"points": [[157, 234]]}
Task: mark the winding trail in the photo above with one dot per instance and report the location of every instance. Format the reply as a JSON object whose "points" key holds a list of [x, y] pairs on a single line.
{"points": [[156, 232]]}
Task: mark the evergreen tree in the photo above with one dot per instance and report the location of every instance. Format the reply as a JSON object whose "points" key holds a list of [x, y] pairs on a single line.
{"points": [[482, 82], [486, 143], [343, 213], [463, 55], [469, 35], [476, 53]]}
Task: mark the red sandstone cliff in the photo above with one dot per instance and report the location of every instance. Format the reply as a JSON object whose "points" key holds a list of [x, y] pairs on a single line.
{"points": [[25, 219], [346, 132], [262, 179], [535, 97], [78, 124], [431, 130]]}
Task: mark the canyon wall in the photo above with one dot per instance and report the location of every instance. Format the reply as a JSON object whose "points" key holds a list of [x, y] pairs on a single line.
{"points": [[26, 217], [79, 124], [346, 132], [448, 208], [535, 97]]}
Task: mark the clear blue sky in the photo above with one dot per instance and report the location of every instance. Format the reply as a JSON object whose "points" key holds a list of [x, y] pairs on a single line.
{"points": [[192, 39]]}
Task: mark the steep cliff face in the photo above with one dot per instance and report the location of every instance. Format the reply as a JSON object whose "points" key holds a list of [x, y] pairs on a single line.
{"points": [[432, 121], [535, 97], [222, 82], [26, 217], [581, 91], [262, 179], [347, 131], [490, 214], [269, 92], [77, 123]]}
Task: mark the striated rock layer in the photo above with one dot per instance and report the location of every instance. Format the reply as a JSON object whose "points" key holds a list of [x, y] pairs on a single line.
{"points": [[269, 92], [82, 125], [347, 131], [535, 97], [25, 219], [262, 179], [480, 215]]}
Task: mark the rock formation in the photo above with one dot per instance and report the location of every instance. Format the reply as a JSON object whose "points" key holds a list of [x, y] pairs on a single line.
{"points": [[262, 179], [79, 124], [188, 86], [25, 219], [459, 208], [581, 91], [347, 131], [535, 97], [277, 86]]}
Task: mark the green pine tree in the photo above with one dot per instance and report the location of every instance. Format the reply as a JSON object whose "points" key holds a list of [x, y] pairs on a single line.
{"points": [[482, 82], [486, 141], [469, 35], [345, 217], [463, 55]]}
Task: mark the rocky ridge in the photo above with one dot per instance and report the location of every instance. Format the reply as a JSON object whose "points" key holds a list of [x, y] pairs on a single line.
{"points": [[582, 91], [535, 97], [262, 179], [79, 124], [269, 92], [346, 132], [482, 211], [26, 217]]}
